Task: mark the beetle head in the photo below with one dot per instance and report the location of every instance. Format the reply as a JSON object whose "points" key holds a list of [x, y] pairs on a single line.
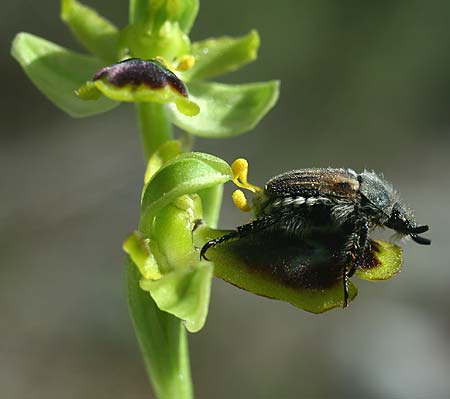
{"points": [[387, 209], [402, 221]]}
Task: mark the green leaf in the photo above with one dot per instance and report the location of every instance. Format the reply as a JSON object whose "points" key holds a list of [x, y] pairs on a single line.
{"points": [[96, 33], [185, 174], [58, 72], [162, 339], [184, 293], [227, 110], [234, 262], [225, 54], [385, 261]]}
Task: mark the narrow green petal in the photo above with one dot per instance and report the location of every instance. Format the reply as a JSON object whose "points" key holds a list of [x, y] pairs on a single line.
{"points": [[237, 262], [385, 261], [225, 54], [96, 33], [184, 293], [58, 72], [227, 110], [187, 173]]}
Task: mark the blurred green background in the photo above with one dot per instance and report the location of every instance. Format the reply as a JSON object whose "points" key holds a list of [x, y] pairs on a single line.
{"points": [[364, 85]]}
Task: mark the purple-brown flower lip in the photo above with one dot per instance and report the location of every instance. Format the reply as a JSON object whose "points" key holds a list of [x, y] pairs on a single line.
{"points": [[136, 72]]}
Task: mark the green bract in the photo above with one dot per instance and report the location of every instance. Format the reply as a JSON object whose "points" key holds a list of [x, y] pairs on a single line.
{"points": [[157, 28]]}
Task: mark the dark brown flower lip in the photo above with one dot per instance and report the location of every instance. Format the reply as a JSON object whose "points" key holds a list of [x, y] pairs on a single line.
{"points": [[136, 72]]}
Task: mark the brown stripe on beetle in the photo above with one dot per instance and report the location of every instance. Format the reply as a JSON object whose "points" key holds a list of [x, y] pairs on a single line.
{"points": [[336, 182]]}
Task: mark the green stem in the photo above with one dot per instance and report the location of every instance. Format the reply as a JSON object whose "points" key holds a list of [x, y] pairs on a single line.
{"points": [[162, 337], [154, 126]]}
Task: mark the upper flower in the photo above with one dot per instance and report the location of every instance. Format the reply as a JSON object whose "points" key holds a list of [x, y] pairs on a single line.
{"points": [[157, 30]]}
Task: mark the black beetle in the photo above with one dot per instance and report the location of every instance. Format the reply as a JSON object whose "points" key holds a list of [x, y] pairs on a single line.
{"points": [[338, 205]]}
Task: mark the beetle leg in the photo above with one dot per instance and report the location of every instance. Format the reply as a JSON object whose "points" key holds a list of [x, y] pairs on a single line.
{"points": [[345, 286], [242, 231], [356, 248], [361, 244], [215, 241]]}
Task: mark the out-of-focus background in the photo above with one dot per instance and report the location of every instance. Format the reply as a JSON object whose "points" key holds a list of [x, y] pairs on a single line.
{"points": [[364, 85]]}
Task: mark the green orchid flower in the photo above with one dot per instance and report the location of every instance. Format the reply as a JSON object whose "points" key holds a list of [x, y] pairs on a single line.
{"points": [[158, 30], [176, 187]]}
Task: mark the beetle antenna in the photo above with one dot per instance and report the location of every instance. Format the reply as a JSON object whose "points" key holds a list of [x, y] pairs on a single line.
{"points": [[420, 240], [418, 229]]}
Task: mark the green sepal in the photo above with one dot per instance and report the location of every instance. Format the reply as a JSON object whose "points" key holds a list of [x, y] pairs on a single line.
{"points": [[385, 261], [141, 93], [235, 109], [231, 267], [96, 33], [58, 72], [137, 247], [187, 173], [184, 293], [221, 55]]}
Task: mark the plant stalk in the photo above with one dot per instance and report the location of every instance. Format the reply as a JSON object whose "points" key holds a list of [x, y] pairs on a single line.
{"points": [[161, 336]]}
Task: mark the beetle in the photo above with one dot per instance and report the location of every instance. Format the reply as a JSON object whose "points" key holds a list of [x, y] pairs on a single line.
{"points": [[335, 206]]}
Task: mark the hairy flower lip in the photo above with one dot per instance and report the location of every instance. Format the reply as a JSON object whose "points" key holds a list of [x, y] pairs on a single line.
{"points": [[135, 71]]}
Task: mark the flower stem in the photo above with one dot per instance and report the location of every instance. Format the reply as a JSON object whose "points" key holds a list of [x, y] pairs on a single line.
{"points": [[163, 342], [154, 126], [162, 337]]}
